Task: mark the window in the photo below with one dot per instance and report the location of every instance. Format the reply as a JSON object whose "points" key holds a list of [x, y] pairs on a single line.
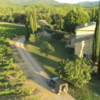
{"points": [[85, 56]]}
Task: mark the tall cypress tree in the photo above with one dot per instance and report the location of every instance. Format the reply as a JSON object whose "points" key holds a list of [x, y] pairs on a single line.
{"points": [[34, 20], [93, 13], [31, 25], [96, 41], [99, 42], [27, 30]]}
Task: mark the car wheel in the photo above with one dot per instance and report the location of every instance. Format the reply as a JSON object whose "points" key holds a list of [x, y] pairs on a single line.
{"points": [[56, 91]]}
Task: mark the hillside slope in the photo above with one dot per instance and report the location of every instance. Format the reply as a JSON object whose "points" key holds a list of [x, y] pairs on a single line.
{"points": [[8, 2], [51, 2], [87, 3]]}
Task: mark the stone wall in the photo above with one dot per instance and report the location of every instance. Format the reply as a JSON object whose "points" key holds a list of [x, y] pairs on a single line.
{"points": [[84, 47], [72, 44], [81, 34], [86, 31]]}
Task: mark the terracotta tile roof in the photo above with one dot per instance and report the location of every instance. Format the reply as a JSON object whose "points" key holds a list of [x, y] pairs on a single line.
{"points": [[84, 38]]}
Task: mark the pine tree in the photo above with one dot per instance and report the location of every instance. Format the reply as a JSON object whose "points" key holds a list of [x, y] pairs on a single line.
{"points": [[96, 41], [27, 30], [34, 20], [93, 13], [31, 25]]}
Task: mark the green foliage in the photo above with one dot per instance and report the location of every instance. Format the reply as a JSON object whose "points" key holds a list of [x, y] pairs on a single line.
{"points": [[46, 48], [76, 72], [39, 30], [93, 13], [60, 23], [17, 91], [22, 77], [50, 27], [32, 38], [48, 30], [96, 41], [10, 31], [74, 18], [57, 36], [34, 20], [27, 30], [31, 25]]}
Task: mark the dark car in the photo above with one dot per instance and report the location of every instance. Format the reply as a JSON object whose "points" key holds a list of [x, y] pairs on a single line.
{"points": [[58, 84]]}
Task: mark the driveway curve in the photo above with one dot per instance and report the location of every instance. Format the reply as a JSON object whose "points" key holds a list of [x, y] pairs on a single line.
{"points": [[39, 75]]}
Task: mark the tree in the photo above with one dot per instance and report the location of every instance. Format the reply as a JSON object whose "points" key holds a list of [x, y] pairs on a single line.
{"points": [[31, 25], [93, 13], [99, 42], [77, 72], [32, 38], [99, 67], [96, 40], [74, 18], [61, 23], [26, 30], [46, 48], [34, 21]]}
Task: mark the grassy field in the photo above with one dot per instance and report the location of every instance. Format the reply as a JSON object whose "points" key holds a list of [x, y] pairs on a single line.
{"points": [[91, 91], [12, 80], [10, 31]]}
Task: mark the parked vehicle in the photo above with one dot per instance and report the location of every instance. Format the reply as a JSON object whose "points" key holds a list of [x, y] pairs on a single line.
{"points": [[58, 84]]}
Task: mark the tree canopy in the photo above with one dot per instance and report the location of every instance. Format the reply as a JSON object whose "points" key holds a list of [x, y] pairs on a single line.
{"points": [[74, 18], [76, 72]]}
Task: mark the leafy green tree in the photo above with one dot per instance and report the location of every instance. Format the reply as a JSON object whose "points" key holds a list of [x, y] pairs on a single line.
{"points": [[74, 18], [77, 72], [27, 34], [32, 38], [34, 20], [96, 41], [46, 48], [31, 25], [93, 13]]}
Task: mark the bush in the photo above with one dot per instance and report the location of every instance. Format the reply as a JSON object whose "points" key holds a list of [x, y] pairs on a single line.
{"points": [[46, 48], [40, 29], [57, 36], [77, 72], [32, 38], [48, 30], [50, 27]]}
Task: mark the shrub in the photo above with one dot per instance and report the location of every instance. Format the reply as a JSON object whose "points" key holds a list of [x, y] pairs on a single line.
{"points": [[77, 72], [46, 48], [50, 27], [48, 30], [32, 38], [57, 36], [40, 29]]}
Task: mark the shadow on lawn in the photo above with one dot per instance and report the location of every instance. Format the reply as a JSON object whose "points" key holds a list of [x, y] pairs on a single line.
{"points": [[46, 62], [59, 47], [95, 85]]}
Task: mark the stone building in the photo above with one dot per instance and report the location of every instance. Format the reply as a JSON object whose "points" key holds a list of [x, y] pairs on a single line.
{"points": [[83, 40]]}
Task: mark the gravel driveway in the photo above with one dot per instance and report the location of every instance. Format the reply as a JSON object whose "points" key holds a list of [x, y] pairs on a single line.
{"points": [[39, 75]]}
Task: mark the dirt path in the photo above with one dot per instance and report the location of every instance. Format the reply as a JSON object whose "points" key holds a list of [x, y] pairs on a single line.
{"points": [[37, 75]]}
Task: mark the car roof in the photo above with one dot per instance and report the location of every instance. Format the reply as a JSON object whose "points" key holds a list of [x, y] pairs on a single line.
{"points": [[59, 81]]}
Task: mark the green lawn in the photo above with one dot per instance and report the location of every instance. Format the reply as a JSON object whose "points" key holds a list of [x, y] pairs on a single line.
{"points": [[91, 91]]}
